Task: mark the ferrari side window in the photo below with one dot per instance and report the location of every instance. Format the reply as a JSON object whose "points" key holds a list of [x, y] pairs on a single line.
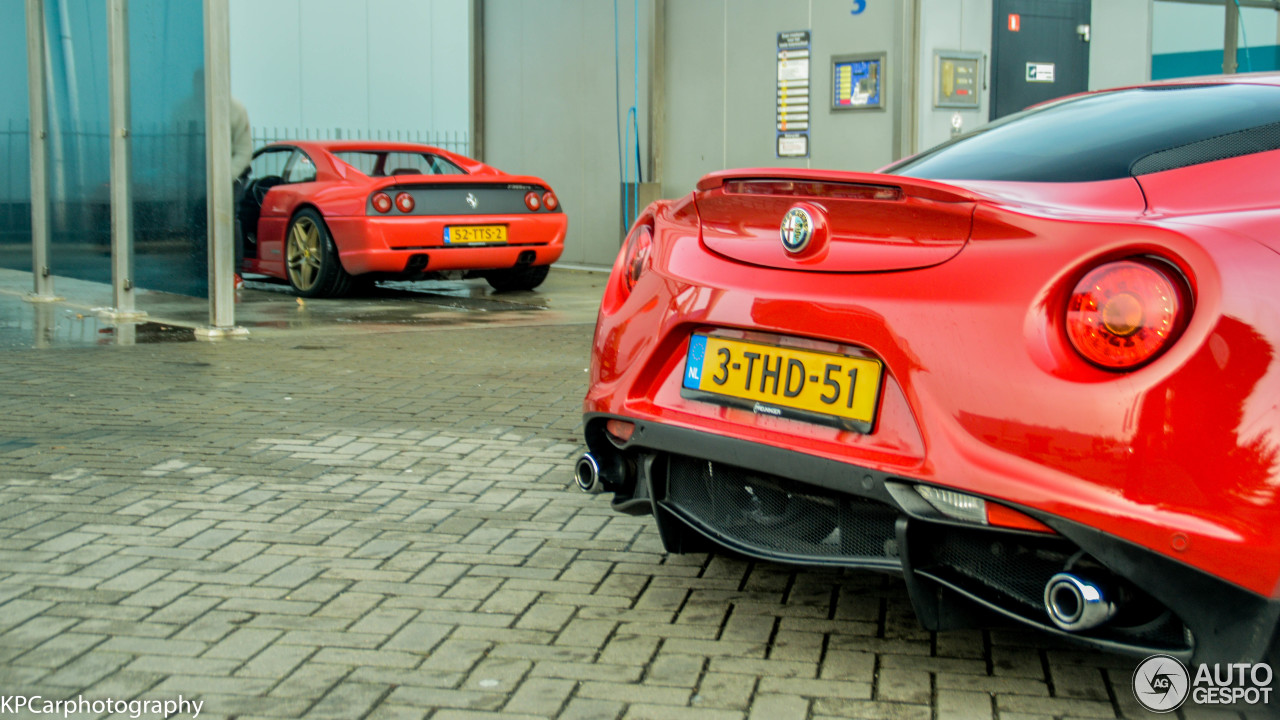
{"points": [[365, 162], [269, 163], [302, 170], [440, 166]]}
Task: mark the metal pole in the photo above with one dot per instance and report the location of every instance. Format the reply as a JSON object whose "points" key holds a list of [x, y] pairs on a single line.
{"points": [[1230, 31], [221, 211], [658, 93], [475, 18], [121, 189], [42, 276]]}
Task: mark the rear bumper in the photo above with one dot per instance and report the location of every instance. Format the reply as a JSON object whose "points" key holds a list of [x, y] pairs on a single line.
{"points": [[803, 509], [410, 245]]}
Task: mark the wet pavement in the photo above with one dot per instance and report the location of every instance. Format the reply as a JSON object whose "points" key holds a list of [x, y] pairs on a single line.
{"points": [[363, 510], [264, 307]]}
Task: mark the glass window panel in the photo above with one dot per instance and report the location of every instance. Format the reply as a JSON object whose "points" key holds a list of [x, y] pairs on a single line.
{"points": [[166, 77], [15, 142], [302, 169]]}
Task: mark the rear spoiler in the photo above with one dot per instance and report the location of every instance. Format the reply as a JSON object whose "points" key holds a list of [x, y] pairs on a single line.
{"points": [[912, 187], [444, 181]]}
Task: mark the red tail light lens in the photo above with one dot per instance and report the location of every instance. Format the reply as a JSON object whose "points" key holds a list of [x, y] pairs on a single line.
{"points": [[636, 260], [550, 201], [620, 430], [382, 202], [404, 202], [532, 201], [1124, 314], [1001, 516]]}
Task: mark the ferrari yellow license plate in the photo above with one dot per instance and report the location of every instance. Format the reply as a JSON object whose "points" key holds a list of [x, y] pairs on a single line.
{"points": [[474, 234], [806, 385]]}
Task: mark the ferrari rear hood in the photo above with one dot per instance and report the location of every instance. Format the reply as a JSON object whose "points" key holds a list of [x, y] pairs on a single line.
{"points": [[454, 182], [827, 221]]}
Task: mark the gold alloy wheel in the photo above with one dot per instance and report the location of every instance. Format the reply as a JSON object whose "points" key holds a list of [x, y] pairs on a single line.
{"points": [[303, 254]]}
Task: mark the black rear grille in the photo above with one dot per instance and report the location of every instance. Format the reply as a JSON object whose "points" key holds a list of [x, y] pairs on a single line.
{"points": [[1017, 567], [775, 517]]}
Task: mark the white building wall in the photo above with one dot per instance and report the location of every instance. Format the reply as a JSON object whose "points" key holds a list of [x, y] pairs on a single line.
{"points": [[1181, 27], [1120, 49], [352, 64]]}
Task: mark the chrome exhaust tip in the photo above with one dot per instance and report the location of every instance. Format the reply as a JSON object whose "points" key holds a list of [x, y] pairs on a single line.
{"points": [[1075, 604], [586, 473]]}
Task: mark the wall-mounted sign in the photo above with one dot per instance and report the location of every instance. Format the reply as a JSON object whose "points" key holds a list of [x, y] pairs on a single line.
{"points": [[792, 116], [858, 81], [957, 78], [1040, 72]]}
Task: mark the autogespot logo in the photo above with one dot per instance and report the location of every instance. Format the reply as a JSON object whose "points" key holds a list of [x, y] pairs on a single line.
{"points": [[1161, 683]]}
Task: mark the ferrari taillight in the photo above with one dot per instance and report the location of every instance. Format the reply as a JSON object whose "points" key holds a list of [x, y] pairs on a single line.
{"points": [[382, 202], [1124, 314], [636, 259], [404, 202], [532, 201], [550, 201]]}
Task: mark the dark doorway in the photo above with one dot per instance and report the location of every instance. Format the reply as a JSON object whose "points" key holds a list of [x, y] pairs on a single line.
{"points": [[1040, 51]]}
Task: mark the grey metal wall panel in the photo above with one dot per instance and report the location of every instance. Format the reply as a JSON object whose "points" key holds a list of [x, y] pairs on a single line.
{"points": [[550, 107]]}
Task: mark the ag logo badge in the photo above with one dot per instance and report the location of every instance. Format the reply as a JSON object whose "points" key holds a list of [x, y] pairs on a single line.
{"points": [[1161, 683], [797, 229]]}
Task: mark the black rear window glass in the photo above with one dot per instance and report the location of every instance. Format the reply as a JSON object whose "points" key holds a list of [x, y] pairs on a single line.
{"points": [[379, 163], [1099, 137]]}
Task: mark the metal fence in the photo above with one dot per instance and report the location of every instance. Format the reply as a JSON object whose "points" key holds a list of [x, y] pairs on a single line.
{"points": [[454, 141], [168, 164]]}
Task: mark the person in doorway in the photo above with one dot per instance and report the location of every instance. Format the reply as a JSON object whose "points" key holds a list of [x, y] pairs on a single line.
{"points": [[241, 155]]}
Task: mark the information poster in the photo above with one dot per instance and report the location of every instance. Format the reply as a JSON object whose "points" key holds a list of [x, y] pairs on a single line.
{"points": [[858, 82], [793, 94]]}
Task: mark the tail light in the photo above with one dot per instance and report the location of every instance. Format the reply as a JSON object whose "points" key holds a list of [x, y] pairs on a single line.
{"points": [[1124, 314], [620, 430], [550, 201], [636, 258], [404, 202], [973, 509], [382, 202], [532, 201]]}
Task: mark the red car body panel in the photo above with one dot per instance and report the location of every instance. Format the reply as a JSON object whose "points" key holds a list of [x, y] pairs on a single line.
{"points": [[959, 288], [369, 242]]}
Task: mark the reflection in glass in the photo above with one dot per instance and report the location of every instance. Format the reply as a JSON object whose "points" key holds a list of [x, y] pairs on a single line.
{"points": [[167, 142]]}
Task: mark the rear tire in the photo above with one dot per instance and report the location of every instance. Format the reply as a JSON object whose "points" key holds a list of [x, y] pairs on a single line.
{"points": [[518, 278], [311, 258]]}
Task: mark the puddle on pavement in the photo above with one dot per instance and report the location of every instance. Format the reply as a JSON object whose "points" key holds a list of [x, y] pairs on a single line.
{"points": [[36, 325]]}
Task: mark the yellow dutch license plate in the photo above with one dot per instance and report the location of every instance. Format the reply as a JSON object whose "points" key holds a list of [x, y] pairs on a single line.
{"points": [[789, 382], [474, 234]]}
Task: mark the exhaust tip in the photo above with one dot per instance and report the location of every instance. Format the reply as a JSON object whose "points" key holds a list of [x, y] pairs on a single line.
{"points": [[1075, 604], [586, 474]]}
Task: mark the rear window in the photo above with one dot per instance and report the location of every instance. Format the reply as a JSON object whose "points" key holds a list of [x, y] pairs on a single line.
{"points": [[380, 163], [1111, 135]]}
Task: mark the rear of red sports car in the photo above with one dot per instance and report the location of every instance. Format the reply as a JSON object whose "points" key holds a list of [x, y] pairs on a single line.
{"points": [[1032, 370]]}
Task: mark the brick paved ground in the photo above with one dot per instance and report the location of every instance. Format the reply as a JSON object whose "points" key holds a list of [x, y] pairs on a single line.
{"points": [[379, 526]]}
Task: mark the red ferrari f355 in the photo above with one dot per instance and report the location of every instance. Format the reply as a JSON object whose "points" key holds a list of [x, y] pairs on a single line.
{"points": [[1033, 370], [323, 215]]}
